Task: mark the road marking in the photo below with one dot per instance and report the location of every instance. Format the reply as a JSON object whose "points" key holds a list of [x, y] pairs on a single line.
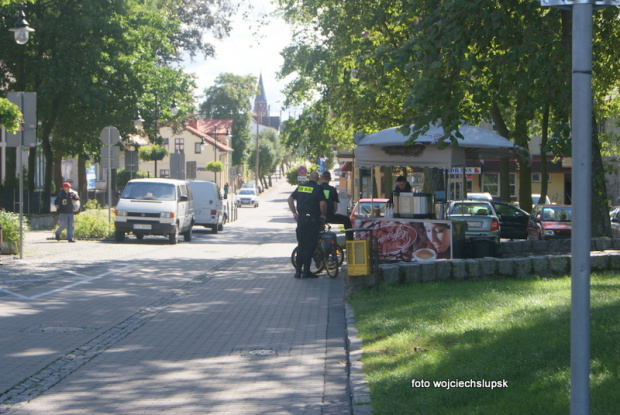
{"points": [[85, 279]]}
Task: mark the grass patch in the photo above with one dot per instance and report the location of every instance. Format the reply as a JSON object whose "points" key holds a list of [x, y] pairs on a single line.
{"points": [[512, 330]]}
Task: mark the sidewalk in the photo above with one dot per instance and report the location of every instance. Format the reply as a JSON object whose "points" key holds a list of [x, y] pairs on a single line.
{"points": [[242, 337]]}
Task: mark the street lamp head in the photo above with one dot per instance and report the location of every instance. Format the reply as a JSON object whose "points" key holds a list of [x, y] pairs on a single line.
{"points": [[174, 110], [21, 29], [138, 121]]}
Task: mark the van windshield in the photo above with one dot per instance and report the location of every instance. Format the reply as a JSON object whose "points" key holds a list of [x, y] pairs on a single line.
{"points": [[149, 191]]}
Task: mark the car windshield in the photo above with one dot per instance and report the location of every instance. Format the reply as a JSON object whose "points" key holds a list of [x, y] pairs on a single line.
{"points": [[365, 208], [149, 191], [557, 214], [247, 192], [478, 209]]}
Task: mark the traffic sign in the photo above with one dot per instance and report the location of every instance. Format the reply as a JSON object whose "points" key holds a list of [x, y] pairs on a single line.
{"points": [[110, 136], [321, 165], [302, 178], [302, 171]]}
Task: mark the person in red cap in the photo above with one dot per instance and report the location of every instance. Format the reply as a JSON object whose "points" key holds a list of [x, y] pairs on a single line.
{"points": [[65, 206]]}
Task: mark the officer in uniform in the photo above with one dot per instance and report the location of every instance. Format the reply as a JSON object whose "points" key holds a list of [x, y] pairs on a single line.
{"points": [[331, 195], [311, 210]]}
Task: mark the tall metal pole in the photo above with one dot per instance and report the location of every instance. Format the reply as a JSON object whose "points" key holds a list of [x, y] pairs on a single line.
{"points": [[581, 212]]}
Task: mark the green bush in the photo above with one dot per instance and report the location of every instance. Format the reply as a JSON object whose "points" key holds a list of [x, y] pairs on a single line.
{"points": [[93, 223], [291, 174], [10, 226], [215, 166]]}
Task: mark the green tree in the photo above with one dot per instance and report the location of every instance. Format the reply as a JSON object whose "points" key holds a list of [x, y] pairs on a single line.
{"points": [[127, 59], [229, 98]]}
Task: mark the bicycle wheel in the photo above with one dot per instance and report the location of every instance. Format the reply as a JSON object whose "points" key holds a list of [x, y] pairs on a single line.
{"points": [[331, 264], [294, 258], [318, 260], [316, 266]]}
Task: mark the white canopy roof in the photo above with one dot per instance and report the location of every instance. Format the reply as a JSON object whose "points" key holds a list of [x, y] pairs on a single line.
{"points": [[386, 148]]}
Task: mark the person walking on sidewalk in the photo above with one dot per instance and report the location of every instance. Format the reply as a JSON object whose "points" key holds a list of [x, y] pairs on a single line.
{"points": [[311, 209], [331, 196], [65, 207]]}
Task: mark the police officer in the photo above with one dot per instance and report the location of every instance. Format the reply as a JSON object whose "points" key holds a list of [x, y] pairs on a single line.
{"points": [[311, 210], [331, 196]]}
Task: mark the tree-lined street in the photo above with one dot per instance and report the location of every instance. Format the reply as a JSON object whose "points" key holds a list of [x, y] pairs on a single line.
{"points": [[217, 325]]}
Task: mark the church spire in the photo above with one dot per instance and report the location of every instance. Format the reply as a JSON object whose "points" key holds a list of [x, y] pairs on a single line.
{"points": [[260, 102]]}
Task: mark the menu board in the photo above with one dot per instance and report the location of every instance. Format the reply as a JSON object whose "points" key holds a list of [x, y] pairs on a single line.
{"points": [[420, 240]]}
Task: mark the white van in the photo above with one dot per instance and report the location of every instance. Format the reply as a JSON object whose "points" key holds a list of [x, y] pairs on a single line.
{"points": [[208, 205], [155, 207]]}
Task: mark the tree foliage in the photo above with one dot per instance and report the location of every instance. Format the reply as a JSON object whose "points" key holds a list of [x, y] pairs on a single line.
{"points": [[377, 64], [229, 98], [93, 63]]}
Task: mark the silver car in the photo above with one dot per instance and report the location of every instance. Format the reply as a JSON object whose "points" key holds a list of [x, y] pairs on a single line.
{"points": [[482, 221]]}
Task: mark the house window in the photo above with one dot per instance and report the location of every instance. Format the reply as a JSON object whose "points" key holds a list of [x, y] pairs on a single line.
{"points": [[197, 148], [537, 176], [490, 183], [164, 173], [179, 145]]}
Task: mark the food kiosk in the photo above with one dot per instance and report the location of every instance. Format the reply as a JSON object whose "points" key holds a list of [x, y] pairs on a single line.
{"points": [[415, 231]]}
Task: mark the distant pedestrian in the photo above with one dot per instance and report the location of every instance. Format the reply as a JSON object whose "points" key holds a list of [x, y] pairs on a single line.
{"points": [[310, 211], [65, 206], [226, 186], [331, 196]]}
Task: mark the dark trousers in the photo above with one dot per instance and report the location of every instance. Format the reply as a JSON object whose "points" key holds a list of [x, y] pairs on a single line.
{"points": [[343, 220], [307, 235]]}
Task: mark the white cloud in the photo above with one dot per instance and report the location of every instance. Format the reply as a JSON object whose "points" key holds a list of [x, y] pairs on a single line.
{"points": [[251, 49]]}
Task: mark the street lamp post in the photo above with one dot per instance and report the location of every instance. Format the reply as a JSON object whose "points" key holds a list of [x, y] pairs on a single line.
{"points": [[138, 122], [21, 31]]}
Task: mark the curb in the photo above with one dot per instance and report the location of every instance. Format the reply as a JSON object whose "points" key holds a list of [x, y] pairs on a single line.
{"points": [[360, 393]]}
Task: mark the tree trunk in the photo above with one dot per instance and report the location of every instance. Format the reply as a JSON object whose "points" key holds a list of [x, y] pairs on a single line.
{"points": [[504, 162], [82, 184], [601, 226], [10, 181], [543, 154]]}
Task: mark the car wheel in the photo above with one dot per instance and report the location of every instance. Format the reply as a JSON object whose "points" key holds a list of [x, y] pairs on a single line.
{"points": [[119, 236], [220, 227], [140, 236], [173, 237], [214, 228]]}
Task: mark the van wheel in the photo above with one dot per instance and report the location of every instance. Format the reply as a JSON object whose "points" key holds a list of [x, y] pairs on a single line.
{"points": [[119, 236], [173, 238], [220, 227], [214, 228], [187, 236]]}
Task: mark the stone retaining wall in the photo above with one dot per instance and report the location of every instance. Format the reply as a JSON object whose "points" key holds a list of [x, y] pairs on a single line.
{"points": [[517, 260]]}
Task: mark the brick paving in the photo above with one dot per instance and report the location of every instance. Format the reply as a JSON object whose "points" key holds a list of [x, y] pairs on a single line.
{"points": [[174, 335]]}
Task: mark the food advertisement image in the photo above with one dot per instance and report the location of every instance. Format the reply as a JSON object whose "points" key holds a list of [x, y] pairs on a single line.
{"points": [[412, 240]]}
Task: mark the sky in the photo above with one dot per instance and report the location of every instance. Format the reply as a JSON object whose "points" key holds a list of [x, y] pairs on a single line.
{"points": [[249, 50]]}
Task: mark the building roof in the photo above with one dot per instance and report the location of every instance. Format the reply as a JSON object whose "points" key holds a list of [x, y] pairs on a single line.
{"points": [[200, 128]]}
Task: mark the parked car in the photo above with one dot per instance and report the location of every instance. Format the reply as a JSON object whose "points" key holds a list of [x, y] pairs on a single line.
{"points": [[363, 208], [480, 196], [208, 205], [536, 199], [482, 221], [247, 197], [253, 185], [155, 207], [614, 216], [512, 220], [550, 222]]}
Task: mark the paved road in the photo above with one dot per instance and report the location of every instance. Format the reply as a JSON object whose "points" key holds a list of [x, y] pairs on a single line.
{"points": [[218, 325]]}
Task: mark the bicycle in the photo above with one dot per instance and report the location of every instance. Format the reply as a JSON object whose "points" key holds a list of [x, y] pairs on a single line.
{"points": [[327, 255]]}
